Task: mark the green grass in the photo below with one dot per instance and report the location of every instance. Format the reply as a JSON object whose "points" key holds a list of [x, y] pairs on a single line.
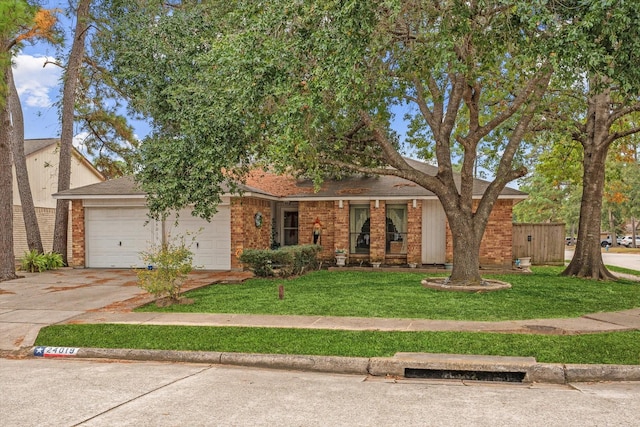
{"points": [[543, 294], [607, 348], [616, 269], [381, 294]]}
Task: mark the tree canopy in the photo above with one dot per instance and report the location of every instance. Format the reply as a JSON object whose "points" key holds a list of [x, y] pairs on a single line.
{"points": [[312, 86]]}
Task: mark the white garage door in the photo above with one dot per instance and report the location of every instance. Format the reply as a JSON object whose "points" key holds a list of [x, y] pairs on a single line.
{"points": [[210, 242], [115, 236]]}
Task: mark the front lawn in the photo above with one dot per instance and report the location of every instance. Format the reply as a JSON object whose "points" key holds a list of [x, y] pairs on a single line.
{"points": [[543, 294], [608, 348], [382, 294]]}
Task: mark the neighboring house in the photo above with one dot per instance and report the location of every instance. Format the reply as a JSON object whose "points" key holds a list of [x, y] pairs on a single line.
{"points": [[42, 157], [380, 218]]}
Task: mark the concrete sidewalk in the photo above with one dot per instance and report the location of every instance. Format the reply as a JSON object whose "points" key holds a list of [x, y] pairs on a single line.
{"points": [[627, 320], [107, 296]]}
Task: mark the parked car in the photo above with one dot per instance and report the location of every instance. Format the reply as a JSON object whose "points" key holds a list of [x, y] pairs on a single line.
{"points": [[569, 241], [607, 242], [628, 241]]}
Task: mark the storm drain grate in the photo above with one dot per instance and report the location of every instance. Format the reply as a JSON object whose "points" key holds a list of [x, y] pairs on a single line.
{"points": [[447, 374]]}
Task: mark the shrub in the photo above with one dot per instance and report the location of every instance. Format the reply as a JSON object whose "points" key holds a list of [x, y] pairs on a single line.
{"points": [[284, 262], [169, 264], [53, 260], [33, 261]]}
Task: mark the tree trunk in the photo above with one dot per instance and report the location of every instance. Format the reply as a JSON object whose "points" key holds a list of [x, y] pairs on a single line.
{"points": [[34, 241], [7, 257], [587, 258], [466, 251], [66, 138]]}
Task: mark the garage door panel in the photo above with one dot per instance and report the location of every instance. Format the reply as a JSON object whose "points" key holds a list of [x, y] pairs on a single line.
{"points": [[210, 241], [116, 236]]}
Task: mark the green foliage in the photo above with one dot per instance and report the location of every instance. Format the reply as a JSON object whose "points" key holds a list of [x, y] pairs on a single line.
{"points": [[53, 260], [33, 261], [284, 262], [169, 264], [288, 83], [14, 16]]}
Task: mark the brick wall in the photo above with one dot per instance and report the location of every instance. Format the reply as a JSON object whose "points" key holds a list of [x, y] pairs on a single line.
{"points": [[497, 242], [244, 233], [77, 234], [46, 223], [326, 212], [378, 230], [414, 232]]}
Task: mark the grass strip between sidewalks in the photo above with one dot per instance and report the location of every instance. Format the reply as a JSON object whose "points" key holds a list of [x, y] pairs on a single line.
{"points": [[607, 348]]}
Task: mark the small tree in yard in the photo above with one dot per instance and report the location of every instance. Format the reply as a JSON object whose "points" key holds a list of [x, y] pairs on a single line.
{"points": [[169, 264]]}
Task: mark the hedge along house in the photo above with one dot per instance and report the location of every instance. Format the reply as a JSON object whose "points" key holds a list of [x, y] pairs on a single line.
{"points": [[374, 219]]}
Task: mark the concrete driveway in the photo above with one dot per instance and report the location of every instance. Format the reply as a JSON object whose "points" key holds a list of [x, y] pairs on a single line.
{"points": [[40, 299]]}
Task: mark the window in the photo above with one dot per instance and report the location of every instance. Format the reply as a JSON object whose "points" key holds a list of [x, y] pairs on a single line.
{"points": [[290, 227], [359, 229], [396, 229]]}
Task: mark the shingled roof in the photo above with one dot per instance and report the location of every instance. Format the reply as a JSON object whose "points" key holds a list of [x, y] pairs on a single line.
{"points": [[125, 187], [361, 186], [33, 145], [287, 187]]}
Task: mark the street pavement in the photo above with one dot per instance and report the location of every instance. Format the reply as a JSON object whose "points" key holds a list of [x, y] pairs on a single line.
{"points": [[108, 296], [73, 392], [617, 259]]}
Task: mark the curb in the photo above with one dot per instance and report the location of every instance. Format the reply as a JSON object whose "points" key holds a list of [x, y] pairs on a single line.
{"points": [[534, 372]]}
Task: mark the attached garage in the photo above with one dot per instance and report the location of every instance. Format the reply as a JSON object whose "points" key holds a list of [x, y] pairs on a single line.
{"points": [[111, 228], [115, 236]]}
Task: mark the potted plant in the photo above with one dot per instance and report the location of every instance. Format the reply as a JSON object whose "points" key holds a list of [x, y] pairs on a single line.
{"points": [[341, 257]]}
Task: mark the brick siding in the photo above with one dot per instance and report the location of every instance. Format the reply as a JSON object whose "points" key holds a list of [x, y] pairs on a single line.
{"points": [[326, 212], [46, 223], [78, 234], [496, 247], [244, 233]]}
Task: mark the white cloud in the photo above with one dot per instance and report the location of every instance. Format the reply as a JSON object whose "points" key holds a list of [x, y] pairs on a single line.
{"points": [[37, 85]]}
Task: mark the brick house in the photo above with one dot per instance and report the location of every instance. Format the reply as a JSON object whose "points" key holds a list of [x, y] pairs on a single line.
{"points": [[374, 219]]}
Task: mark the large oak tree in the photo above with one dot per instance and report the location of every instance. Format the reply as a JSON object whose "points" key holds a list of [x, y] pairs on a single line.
{"points": [[313, 86]]}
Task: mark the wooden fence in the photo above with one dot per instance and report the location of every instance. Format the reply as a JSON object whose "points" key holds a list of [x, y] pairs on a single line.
{"points": [[544, 242]]}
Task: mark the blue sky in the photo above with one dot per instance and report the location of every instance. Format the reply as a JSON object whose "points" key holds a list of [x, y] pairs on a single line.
{"points": [[38, 81]]}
